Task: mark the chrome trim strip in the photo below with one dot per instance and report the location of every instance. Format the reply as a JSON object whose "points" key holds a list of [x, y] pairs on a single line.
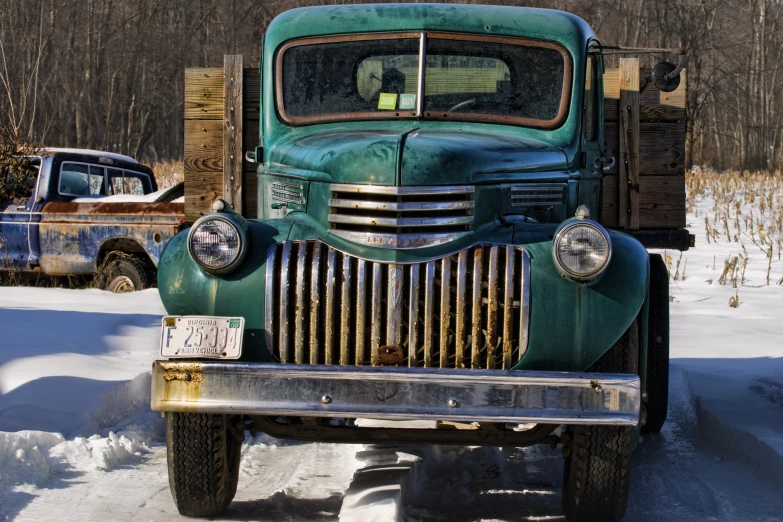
{"points": [[396, 393], [345, 313], [299, 322], [459, 338], [331, 261], [399, 241], [413, 317], [375, 221], [377, 295], [445, 317], [428, 190], [524, 303], [394, 305], [315, 298], [408, 206], [361, 311], [508, 307], [285, 285], [478, 265], [429, 313], [492, 307]]}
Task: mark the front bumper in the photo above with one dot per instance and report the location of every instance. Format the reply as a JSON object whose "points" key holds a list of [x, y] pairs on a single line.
{"points": [[396, 393]]}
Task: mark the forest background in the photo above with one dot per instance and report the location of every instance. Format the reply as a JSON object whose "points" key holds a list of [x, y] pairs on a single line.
{"points": [[108, 74]]}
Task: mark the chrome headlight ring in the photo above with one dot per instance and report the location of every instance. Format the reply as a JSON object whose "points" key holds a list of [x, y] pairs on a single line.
{"points": [[217, 243], [582, 250]]}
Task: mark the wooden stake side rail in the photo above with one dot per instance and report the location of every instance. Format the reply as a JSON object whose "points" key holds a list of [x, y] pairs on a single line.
{"points": [[650, 137], [210, 137], [644, 130]]}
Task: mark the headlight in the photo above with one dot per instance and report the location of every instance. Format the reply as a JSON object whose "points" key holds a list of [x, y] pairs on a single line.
{"points": [[216, 243], [582, 249]]}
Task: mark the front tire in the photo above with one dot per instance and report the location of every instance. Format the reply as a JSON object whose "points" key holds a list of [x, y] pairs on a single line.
{"points": [[124, 274], [597, 469], [203, 454], [657, 403]]}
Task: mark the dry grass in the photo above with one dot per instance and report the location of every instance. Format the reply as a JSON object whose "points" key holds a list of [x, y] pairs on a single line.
{"points": [[168, 173], [747, 209]]}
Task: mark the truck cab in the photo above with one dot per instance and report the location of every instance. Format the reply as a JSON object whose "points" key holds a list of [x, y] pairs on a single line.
{"points": [[427, 247]]}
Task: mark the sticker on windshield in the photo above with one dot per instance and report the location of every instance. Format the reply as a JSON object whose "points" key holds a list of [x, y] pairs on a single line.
{"points": [[387, 101], [407, 101]]}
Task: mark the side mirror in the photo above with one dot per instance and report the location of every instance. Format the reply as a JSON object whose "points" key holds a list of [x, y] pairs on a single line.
{"points": [[666, 76]]}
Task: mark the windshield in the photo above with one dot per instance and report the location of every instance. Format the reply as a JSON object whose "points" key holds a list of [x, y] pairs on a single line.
{"points": [[466, 78]]}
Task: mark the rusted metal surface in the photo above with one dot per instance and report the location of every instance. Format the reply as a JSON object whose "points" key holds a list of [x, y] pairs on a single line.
{"points": [[74, 236], [367, 392], [432, 309], [391, 355]]}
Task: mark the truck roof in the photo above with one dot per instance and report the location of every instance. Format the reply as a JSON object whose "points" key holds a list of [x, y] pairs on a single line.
{"points": [[88, 152], [544, 24]]}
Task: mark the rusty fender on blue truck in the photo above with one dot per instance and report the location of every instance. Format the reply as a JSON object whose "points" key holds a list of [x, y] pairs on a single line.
{"points": [[75, 235]]}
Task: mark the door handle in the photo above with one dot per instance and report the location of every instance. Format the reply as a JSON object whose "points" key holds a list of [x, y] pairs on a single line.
{"points": [[600, 163]]}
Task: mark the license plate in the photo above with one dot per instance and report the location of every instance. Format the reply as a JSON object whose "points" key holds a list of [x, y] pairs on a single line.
{"points": [[202, 336]]}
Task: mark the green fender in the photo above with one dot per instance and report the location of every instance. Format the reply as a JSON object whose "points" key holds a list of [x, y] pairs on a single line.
{"points": [[571, 324]]}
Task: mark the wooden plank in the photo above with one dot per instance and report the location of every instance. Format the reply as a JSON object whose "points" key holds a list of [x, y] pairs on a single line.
{"points": [[650, 95], [201, 189], [661, 204], [232, 130], [203, 146], [661, 148], [204, 94], [628, 216]]}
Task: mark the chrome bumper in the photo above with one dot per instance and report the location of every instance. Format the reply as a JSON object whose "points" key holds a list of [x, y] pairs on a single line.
{"points": [[396, 393]]}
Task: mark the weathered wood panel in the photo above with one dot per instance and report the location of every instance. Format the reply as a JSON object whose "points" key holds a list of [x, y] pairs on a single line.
{"points": [[250, 140], [650, 95], [661, 202], [204, 145], [629, 144], [661, 148], [201, 189], [251, 97], [204, 94], [233, 79]]}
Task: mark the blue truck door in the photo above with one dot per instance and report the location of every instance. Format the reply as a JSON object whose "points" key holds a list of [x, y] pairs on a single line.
{"points": [[15, 228]]}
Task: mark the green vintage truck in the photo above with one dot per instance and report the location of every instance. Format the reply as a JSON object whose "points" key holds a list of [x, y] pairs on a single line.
{"points": [[427, 244]]}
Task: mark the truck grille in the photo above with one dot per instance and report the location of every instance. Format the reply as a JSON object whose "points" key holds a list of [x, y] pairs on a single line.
{"points": [[400, 217], [466, 310]]}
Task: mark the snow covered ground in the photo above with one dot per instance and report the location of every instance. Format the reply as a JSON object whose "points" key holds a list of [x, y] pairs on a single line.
{"points": [[78, 442]]}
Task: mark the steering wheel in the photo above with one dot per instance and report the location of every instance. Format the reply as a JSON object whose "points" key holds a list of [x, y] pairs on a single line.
{"points": [[462, 104]]}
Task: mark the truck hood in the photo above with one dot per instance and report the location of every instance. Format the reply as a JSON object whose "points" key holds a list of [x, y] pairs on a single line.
{"points": [[416, 157]]}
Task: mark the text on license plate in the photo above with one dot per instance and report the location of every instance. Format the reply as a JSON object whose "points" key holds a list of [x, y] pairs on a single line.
{"points": [[202, 336]]}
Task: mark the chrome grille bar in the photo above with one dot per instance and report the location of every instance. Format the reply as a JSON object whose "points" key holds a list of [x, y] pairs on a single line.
{"points": [[508, 308], [401, 207], [329, 315], [376, 221], [315, 294], [317, 309], [345, 312], [445, 298], [361, 310], [300, 290], [478, 265], [394, 190]]}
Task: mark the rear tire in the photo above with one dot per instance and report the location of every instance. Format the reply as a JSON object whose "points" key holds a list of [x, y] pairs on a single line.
{"points": [[124, 274], [597, 469], [203, 454], [657, 403]]}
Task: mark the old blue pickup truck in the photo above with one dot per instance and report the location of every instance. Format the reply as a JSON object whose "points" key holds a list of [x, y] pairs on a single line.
{"points": [[82, 216]]}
